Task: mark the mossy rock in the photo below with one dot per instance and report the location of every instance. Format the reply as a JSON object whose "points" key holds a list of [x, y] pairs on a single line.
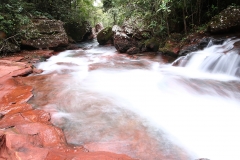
{"points": [[226, 21], [105, 35], [152, 44]]}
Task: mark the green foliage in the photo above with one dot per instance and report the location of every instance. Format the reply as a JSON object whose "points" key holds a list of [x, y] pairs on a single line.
{"points": [[12, 17], [163, 17]]}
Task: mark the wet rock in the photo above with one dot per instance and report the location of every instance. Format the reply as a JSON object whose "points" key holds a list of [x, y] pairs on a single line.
{"points": [[45, 33], [49, 135], [37, 71], [226, 21], [105, 36], [26, 133], [19, 95], [200, 44], [170, 47], [14, 108], [15, 146], [133, 50]]}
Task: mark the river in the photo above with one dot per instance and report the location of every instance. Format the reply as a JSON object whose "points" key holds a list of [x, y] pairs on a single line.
{"points": [[142, 106]]}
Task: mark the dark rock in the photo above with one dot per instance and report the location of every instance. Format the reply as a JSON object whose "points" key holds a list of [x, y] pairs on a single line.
{"points": [[226, 21], [105, 36], [126, 38], [152, 44], [123, 43], [6, 46], [133, 50], [78, 31], [44, 33], [201, 44]]}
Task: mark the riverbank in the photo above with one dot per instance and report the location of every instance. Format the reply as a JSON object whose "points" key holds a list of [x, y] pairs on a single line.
{"points": [[25, 132]]}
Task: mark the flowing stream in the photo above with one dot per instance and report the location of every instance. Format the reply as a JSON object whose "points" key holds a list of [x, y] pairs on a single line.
{"points": [[142, 107]]}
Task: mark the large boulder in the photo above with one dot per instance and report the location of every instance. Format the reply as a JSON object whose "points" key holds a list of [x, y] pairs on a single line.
{"points": [[44, 33], [132, 41], [226, 21], [78, 31], [105, 35]]}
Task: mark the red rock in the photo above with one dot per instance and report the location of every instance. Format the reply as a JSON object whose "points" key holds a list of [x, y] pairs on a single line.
{"points": [[50, 136], [36, 116], [12, 120], [20, 94], [15, 59], [102, 156], [15, 108], [18, 146], [22, 72], [26, 133], [37, 71]]}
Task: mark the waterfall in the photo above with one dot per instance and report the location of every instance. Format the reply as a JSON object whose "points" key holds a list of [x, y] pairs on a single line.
{"points": [[218, 59], [149, 110]]}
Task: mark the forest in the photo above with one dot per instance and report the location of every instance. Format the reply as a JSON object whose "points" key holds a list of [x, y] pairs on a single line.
{"points": [[161, 17]]}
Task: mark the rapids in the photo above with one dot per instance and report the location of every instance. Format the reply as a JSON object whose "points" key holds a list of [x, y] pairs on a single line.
{"points": [[142, 107]]}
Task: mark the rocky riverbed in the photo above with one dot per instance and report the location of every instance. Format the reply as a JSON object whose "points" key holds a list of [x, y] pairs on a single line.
{"points": [[27, 133]]}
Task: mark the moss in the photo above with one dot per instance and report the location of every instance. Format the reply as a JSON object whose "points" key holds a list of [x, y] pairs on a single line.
{"points": [[105, 35], [152, 44]]}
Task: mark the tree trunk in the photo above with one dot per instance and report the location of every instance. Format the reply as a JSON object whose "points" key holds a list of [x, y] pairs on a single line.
{"points": [[184, 16]]}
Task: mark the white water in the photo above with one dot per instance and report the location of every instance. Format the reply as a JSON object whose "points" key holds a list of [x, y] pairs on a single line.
{"points": [[183, 106]]}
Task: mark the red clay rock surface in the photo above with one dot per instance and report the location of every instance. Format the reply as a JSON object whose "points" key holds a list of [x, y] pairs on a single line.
{"points": [[26, 133]]}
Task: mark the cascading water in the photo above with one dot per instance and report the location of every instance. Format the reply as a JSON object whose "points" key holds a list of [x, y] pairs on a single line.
{"points": [[217, 59], [109, 102]]}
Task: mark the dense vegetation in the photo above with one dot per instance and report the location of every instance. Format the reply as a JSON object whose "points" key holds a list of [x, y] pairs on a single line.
{"points": [[161, 17], [15, 13]]}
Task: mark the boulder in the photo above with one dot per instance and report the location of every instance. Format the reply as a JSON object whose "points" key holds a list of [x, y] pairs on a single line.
{"points": [[78, 31], [44, 33], [122, 42], [105, 35], [132, 41], [226, 21]]}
